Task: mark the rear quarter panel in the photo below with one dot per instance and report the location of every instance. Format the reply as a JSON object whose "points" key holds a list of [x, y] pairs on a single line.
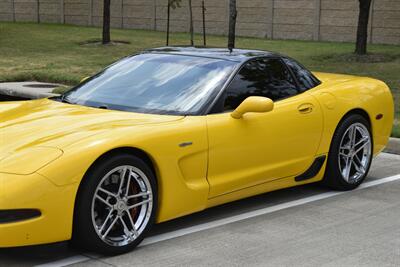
{"points": [[340, 94]]}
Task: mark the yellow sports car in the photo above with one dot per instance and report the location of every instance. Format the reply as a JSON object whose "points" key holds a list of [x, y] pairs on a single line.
{"points": [[172, 131]]}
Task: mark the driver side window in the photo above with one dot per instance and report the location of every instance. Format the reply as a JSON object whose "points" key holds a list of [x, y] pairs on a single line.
{"points": [[267, 77]]}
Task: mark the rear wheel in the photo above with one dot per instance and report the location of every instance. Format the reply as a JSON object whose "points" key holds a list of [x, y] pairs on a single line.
{"points": [[115, 206], [350, 154]]}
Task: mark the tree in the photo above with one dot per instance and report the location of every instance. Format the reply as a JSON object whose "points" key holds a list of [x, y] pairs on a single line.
{"points": [[232, 24], [174, 4], [106, 22], [362, 29], [191, 23]]}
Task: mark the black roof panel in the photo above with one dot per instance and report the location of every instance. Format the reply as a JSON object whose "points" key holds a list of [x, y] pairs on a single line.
{"points": [[237, 55]]}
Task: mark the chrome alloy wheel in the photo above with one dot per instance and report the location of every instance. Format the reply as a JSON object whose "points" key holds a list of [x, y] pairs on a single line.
{"points": [[355, 153], [122, 205]]}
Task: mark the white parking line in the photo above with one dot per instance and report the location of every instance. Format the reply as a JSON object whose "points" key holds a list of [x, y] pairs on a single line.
{"points": [[232, 219], [252, 214], [65, 262]]}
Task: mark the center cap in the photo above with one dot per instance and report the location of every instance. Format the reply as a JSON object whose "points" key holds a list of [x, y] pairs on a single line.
{"points": [[121, 206]]}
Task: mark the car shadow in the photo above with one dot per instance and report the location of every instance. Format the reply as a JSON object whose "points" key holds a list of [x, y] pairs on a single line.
{"points": [[34, 255], [238, 207], [40, 254]]}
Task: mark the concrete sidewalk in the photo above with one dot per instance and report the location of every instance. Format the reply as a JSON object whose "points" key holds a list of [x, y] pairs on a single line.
{"points": [[28, 90], [393, 146]]}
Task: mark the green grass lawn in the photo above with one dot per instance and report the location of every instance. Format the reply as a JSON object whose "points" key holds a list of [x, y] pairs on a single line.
{"points": [[54, 53]]}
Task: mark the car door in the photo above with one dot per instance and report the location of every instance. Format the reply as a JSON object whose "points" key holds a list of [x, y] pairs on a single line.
{"points": [[261, 147]]}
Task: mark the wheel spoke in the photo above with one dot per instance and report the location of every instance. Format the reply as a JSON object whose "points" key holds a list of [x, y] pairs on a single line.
{"points": [[362, 140], [350, 136], [128, 183], [139, 204], [347, 168], [132, 223], [359, 167], [106, 220], [126, 229], [103, 200], [122, 180], [353, 136], [107, 192], [142, 194], [362, 147], [110, 227], [345, 148]]}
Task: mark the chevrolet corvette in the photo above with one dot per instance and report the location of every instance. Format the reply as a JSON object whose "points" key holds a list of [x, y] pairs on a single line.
{"points": [[172, 131]]}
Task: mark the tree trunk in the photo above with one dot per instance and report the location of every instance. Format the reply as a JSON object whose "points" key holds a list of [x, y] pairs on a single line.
{"points": [[38, 11], [203, 9], [168, 17], [362, 30], [232, 24], [106, 22], [191, 23]]}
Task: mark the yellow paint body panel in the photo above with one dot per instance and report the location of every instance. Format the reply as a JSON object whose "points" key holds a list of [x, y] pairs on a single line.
{"points": [[46, 147]]}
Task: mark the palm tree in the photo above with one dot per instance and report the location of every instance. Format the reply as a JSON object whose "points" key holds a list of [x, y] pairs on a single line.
{"points": [[232, 24]]}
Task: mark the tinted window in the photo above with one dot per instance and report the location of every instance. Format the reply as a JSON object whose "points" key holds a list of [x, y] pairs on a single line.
{"points": [[304, 77], [261, 77], [154, 83]]}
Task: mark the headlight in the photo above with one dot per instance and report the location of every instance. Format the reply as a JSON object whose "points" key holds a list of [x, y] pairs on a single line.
{"points": [[29, 160]]}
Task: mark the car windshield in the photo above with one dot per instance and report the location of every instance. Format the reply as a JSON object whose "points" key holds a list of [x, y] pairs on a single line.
{"points": [[154, 83]]}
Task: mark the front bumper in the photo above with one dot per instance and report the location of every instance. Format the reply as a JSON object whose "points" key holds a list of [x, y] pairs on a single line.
{"points": [[55, 203]]}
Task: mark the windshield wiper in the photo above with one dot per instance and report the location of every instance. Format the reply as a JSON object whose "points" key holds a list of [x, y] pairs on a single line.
{"points": [[64, 100]]}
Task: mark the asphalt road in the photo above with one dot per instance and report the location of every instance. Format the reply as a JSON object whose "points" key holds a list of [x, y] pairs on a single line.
{"points": [[303, 226]]}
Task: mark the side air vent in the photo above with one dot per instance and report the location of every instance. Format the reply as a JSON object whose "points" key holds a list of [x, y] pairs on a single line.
{"points": [[313, 170], [11, 216]]}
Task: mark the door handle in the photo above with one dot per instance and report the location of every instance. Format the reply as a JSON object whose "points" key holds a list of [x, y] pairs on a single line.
{"points": [[305, 108]]}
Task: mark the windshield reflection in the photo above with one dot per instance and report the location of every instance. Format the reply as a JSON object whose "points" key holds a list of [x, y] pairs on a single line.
{"points": [[154, 83]]}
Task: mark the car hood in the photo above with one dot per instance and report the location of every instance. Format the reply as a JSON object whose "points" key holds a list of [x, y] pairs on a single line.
{"points": [[48, 123]]}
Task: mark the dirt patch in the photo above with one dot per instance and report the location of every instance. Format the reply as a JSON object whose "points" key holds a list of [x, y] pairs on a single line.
{"points": [[41, 85], [98, 42]]}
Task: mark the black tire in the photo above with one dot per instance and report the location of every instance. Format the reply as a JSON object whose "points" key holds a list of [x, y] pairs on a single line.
{"points": [[333, 177], [84, 233]]}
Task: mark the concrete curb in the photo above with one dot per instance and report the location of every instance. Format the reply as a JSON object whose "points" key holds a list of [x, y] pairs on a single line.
{"points": [[393, 146], [30, 90]]}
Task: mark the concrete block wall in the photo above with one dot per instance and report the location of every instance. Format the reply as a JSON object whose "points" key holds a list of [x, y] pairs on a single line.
{"points": [[325, 20], [386, 22]]}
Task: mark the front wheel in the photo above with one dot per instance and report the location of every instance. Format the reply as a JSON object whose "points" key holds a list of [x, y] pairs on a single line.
{"points": [[350, 154], [115, 206]]}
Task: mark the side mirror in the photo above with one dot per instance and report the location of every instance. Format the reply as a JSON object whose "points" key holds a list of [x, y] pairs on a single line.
{"points": [[253, 104], [84, 79]]}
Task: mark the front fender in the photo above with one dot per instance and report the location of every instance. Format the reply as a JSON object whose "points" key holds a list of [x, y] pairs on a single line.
{"points": [[181, 170]]}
